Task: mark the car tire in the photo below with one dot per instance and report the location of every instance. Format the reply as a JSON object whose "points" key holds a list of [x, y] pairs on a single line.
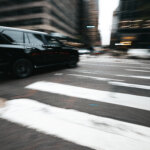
{"points": [[72, 63], [22, 68]]}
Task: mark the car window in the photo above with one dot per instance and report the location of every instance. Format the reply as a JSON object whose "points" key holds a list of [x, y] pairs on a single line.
{"points": [[13, 36], [26, 39], [3, 40], [35, 39], [52, 42]]}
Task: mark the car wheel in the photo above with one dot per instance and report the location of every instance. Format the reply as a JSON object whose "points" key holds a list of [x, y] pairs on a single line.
{"points": [[73, 62], [22, 68]]}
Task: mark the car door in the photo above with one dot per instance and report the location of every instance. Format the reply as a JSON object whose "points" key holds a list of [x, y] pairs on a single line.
{"points": [[4, 60], [34, 46], [15, 46], [54, 47]]}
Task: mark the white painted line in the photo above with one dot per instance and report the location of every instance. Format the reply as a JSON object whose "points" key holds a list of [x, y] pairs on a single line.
{"points": [[89, 72], [146, 87], [134, 101], [58, 74], [81, 128], [110, 60], [85, 71], [95, 78], [137, 70], [133, 76], [99, 64]]}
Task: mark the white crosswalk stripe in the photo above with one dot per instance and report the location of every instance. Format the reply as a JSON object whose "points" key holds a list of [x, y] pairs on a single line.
{"points": [[135, 70], [95, 78], [133, 76], [77, 127], [116, 66], [109, 59], [128, 100], [146, 87]]}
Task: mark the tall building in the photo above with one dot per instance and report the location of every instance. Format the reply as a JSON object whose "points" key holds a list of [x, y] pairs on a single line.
{"points": [[93, 21], [89, 22], [134, 24], [46, 15]]}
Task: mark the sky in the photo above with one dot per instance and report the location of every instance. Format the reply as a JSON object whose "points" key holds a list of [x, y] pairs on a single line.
{"points": [[105, 19]]}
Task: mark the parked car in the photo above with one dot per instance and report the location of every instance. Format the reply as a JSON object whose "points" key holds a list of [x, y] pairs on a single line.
{"points": [[22, 51], [139, 53]]}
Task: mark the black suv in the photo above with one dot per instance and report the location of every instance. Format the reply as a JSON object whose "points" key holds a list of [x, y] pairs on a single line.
{"points": [[22, 50]]}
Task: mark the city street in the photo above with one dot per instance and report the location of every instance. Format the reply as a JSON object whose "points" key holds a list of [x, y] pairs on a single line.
{"points": [[102, 104]]}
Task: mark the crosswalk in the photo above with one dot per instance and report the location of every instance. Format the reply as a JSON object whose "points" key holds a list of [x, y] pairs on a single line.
{"points": [[95, 78], [134, 101], [82, 128]]}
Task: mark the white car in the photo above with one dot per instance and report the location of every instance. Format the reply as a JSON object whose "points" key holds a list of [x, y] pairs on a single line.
{"points": [[139, 53]]}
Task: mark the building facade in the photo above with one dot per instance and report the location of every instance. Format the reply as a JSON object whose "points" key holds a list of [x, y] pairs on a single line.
{"points": [[89, 15], [133, 25], [92, 27], [45, 15]]}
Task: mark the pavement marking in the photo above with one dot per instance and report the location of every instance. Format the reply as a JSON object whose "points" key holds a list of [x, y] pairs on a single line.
{"points": [[140, 102], [89, 72], [95, 78], [133, 76], [137, 70], [80, 128], [85, 71], [146, 87], [110, 60], [93, 104], [114, 60], [99, 64], [58, 74]]}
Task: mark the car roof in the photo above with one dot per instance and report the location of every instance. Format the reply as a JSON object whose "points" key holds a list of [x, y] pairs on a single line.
{"points": [[23, 30]]}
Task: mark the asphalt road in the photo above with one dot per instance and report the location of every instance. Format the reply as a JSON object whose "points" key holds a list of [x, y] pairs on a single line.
{"points": [[103, 104]]}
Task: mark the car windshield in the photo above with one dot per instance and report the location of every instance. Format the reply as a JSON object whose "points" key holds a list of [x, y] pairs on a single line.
{"points": [[51, 40]]}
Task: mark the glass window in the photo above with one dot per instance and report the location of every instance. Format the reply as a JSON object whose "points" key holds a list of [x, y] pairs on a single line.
{"points": [[52, 41], [13, 36], [26, 39], [2, 40], [35, 39]]}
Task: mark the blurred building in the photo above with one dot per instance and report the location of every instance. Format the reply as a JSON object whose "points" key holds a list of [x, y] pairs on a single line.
{"points": [[89, 12], [92, 26], [60, 16], [132, 24]]}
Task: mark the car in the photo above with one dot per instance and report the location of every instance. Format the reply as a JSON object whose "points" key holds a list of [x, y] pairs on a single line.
{"points": [[139, 53], [22, 51]]}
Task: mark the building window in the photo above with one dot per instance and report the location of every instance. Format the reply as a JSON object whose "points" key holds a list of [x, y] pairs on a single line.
{"points": [[20, 12], [26, 22]]}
